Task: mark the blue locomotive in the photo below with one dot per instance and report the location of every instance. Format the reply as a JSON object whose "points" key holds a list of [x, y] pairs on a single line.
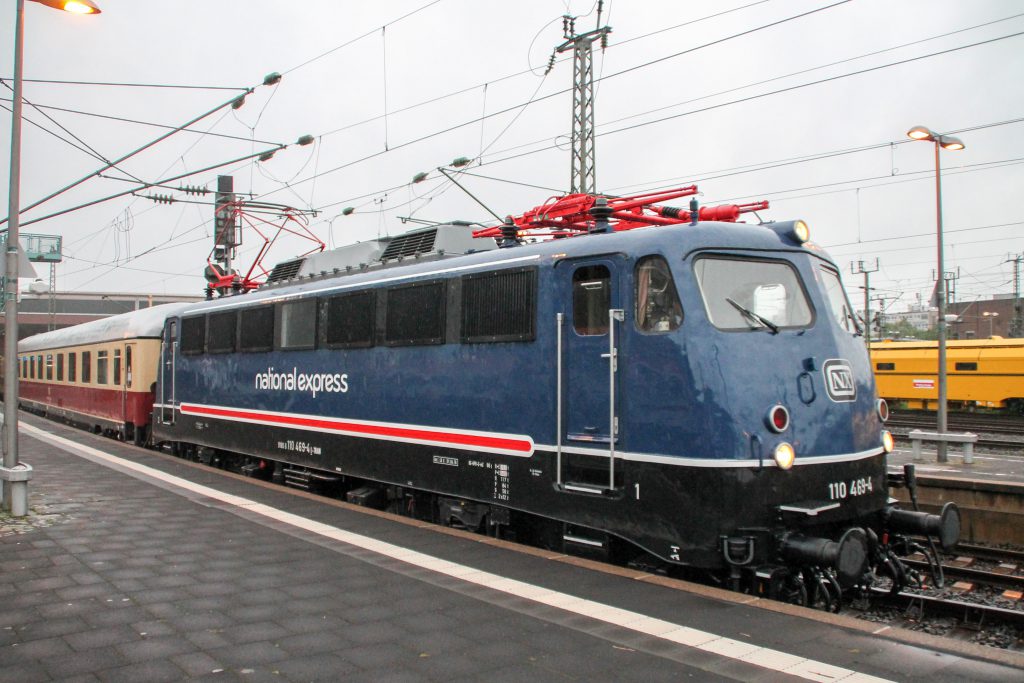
{"points": [[644, 384], [696, 391]]}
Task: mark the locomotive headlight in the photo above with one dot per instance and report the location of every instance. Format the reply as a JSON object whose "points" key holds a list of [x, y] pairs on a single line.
{"points": [[784, 456], [801, 233], [883, 409], [888, 444]]}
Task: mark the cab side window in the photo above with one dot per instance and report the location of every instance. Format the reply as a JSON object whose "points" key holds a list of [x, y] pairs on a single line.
{"points": [[658, 308]]}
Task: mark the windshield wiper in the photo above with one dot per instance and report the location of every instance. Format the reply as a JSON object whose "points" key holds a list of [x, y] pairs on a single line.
{"points": [[858, 330], [754, 317]]}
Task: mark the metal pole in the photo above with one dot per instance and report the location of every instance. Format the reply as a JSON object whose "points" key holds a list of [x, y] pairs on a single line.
{"points": [[941, 289], [611, 399], [15, 486], [867, 311], [558, 400]]}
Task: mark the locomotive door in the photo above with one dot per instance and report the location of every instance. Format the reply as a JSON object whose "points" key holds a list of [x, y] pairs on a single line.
{"points": [[168, 353], [589, 329]]}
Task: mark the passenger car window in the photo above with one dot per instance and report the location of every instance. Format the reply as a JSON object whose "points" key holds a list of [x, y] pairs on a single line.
{"points": [[591, 299], [752, 294], [102, 361], [657, 302], [837, 301], [297, 324]]}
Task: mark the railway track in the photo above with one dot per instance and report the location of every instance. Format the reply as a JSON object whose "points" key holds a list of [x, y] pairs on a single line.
{"points": [[973, 422]]}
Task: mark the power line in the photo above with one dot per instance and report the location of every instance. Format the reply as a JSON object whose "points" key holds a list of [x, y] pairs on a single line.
{"points": [[785, 76], [130, 85], [151, 124], [361, 37], [549, 96]]}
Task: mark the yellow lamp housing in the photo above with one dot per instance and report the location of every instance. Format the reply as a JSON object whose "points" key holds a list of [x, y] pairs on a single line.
{"points": [[797, 231], [72, 6], [801, 233]]}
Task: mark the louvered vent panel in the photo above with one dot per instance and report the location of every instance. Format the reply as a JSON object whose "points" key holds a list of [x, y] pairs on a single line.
{"points": [[285, 270], [410, 244]]}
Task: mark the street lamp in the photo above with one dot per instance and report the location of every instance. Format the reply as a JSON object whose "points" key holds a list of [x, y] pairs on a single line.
{"points": [[15, 475], [950, 143], [991, 321]]}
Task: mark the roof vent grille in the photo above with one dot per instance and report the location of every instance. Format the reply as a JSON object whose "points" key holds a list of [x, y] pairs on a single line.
{"points": [[410, 244], [285, 270]]}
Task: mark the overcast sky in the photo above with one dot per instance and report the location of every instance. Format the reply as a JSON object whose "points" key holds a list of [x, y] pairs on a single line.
{"points": [[689, 92]]}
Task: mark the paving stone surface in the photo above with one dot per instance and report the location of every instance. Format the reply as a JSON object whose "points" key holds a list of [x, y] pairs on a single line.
{"points": [[117, 578]]}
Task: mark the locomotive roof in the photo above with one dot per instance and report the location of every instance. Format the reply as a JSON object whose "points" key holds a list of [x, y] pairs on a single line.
{"points": [[144, 322], [640, 241]]}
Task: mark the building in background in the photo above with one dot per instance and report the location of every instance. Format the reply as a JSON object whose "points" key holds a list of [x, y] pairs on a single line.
{"points": [[36, 314]]}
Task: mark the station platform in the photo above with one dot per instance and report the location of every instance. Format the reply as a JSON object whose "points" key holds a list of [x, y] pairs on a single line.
{"points": [[135, 566], [1004, 466]]}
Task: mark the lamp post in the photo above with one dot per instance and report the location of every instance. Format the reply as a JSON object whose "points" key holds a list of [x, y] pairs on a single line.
{"points": [[991, 321], [951, 143], [15, 475]]}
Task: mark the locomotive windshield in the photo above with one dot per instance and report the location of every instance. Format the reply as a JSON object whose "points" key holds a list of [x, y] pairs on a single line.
{"points": [[837, 300], [748, 294]]}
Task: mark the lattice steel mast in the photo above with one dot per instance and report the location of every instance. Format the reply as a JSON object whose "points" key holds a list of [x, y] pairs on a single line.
{"points": [[583, 174]]}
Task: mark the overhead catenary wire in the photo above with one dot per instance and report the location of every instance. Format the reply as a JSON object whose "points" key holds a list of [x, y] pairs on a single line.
{"points": [[317, 174], [151, 124], [175, 86], [566, 90], [109, 165], [660, 120], [84, 145]]}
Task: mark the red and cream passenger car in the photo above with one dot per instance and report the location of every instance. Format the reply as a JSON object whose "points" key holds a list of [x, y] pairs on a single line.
{"points": [[99, 374]]}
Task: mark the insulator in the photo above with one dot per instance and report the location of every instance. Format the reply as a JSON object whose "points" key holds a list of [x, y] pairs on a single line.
{"points": [[600, 212], [348, 211], [266, 156], [509, 233], [420, 177], [461, 161], [272, 78], [238, 102], [305, 140]]}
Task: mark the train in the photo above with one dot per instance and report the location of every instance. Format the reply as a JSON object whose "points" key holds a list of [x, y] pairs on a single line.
{"points": [[981, 374], [653, 386]]}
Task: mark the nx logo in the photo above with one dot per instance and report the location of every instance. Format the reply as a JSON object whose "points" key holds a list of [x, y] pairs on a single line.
{"points": [[839, 381]]}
